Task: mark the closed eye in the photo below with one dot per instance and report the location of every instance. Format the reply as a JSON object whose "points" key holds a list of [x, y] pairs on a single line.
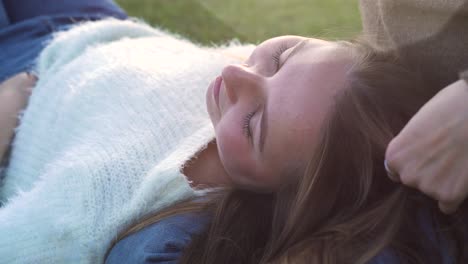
{"points": [[246, 125], [277, 54]]}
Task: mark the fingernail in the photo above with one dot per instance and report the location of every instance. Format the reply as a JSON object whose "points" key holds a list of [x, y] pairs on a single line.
{"points": [[390, 173]]}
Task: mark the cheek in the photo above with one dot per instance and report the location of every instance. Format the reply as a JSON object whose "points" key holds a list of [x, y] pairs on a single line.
{"points": [[233, 148]]}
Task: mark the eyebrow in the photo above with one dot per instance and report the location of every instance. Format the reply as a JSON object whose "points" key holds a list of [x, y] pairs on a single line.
{"points": [[295, 50], [263, 122]]}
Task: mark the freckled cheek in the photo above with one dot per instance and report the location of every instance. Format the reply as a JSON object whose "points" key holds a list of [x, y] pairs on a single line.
{"points": [[233, 149]]}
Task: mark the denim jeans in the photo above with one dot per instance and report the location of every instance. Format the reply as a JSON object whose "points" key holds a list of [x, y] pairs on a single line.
{"points": [[27, 25]]}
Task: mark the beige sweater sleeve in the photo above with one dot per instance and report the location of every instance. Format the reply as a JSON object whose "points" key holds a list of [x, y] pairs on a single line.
{"points": [[431, 34]]}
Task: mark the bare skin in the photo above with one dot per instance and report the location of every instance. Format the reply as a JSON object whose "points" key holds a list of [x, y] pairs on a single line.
{"points": [[431, 152], [14, 95], [267, 112]]}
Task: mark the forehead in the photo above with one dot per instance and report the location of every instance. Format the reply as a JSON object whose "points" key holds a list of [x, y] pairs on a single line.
{"points": [[299, 97]]}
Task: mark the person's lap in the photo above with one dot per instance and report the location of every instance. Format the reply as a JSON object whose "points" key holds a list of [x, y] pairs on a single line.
{"points": [[20, 10], [29, 24], [4, 20]]}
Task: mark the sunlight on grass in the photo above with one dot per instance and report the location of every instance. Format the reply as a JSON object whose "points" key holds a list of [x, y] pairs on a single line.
{"points": [[262, 19], [215, 21]]}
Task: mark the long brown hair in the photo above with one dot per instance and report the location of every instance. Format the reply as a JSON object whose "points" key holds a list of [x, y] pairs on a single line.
{"points": [[343, 209]]}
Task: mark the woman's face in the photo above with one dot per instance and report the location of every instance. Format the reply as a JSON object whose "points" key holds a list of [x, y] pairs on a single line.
{"points": [[267, 112]]}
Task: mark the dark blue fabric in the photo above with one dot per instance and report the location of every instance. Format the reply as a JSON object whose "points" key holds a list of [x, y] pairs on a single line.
{"points": [[435, 246], [21, 10], [162, 242], [4, 20], [32, 23]]}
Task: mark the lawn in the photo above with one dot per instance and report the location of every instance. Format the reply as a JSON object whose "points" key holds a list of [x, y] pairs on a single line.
{"points": [[217, 21]]}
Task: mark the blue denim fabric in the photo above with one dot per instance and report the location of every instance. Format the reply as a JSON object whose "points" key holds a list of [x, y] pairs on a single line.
{"points": [[21, 10], [162, 242], [435, 246], [4, 20], [32, 22]]}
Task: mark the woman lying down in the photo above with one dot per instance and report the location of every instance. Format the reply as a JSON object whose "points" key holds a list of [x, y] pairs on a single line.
{"points": [[284, 151]]}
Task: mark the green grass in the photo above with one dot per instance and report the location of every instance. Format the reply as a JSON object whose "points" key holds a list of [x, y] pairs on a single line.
{"points": [[217, 21]]}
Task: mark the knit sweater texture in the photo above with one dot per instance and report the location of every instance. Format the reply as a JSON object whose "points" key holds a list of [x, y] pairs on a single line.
{"points": [[432, 35], [118, 109]]}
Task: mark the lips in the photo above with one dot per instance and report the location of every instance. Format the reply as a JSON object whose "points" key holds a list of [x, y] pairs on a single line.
{"points": [[216, 89]]}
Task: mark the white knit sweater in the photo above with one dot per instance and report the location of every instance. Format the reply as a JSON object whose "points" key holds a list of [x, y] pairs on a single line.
{"points": [[118, 108]]}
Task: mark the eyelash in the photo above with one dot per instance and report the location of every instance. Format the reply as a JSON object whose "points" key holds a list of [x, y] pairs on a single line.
{"points": [[276, 56], [246, 124]]}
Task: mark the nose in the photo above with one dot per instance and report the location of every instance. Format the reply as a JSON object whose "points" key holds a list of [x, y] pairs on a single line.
{"points": [[240, 80]]}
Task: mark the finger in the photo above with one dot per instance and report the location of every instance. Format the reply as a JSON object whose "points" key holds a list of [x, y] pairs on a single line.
{"points": [[391, 173], [24, 79], [448, 208], [28, 83]]}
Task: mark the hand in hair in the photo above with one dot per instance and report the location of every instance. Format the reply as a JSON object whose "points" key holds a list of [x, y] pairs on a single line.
{"points": [[431, 152], [14, 94]]}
